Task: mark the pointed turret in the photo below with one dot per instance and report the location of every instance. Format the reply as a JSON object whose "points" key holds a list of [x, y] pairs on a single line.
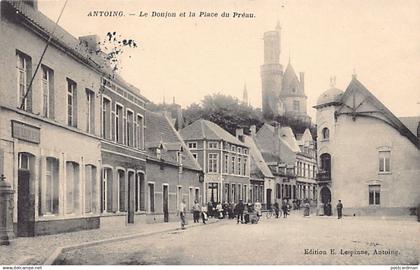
{"points": [[245, 95], [291, 84]]}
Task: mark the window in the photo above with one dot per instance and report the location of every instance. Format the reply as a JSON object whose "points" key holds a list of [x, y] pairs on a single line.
{"points": [[325, 133], [151, 197], [90, 189], [384, 161], [71, 103], [245, 151], [49, 190], [244, 172], [24, 161], [72, 187], [213, 163], [106, 119], [226, 164], [47, 87], [239, 167], [197, 194], [326, 164], [90, 111], [245, 193], [374, 194], [233, 148], [107, 190], [213, 145], [296, 106], [232, 167], [24, 74], [239, 150], [119, 124], [192, 145], [195, 156], [139, 189], [123, 191], [130, 129], [140, 132]]}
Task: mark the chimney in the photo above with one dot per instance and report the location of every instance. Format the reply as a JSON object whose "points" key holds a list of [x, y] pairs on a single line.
{"points": [[91, 42], [302, 81], [240, 134], [253, 130], [180, 119], [32, 3]]}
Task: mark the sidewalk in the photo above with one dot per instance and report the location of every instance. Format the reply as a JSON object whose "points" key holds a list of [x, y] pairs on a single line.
{"points": [[35, 250]]}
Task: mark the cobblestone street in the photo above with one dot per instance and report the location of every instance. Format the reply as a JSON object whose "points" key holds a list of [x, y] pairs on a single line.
{"points": [[272, 241]]}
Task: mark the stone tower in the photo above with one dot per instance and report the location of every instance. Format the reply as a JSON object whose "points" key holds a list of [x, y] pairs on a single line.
{"points": [[271, 74], [283, 93]]}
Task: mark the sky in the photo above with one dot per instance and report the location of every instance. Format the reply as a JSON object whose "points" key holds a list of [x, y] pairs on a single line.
{"points": [[190, 57]]}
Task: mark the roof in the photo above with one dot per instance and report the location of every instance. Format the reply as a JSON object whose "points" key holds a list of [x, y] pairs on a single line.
{"points": [[290, 81], [287, 137], [411, 122], [206, 130], [331, 96], [306, 138], [382, 112], [257, 161], [41, 23], [160, 131]]}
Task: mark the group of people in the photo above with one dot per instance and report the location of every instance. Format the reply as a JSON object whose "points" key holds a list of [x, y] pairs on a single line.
{"points": [[245, 213]]}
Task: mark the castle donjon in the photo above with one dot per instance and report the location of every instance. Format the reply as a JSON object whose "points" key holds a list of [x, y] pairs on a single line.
{"points": [[283, 93]]}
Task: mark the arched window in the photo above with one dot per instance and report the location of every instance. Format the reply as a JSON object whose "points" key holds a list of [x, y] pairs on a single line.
{"points": [[325, 133], [326, 165]]}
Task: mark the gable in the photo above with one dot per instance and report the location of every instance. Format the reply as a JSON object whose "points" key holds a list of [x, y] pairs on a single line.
{"points": [[358, 101]]}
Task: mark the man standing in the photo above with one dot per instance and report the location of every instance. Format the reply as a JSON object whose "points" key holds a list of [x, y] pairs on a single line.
{"points": [[182, 213], [339, 209], [276, 208], [196, 211], [240, 211]]}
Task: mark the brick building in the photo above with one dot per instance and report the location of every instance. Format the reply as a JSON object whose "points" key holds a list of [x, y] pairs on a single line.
{"points": [[224, 159], [173, 173]]}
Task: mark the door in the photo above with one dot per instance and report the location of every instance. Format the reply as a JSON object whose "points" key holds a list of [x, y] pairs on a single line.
{"points": [[165, 204], [268, 197], [131, 198], [26, 205]]}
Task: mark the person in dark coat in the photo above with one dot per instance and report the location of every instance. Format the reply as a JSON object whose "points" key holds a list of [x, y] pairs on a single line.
{"points": [[339, 209], [239, 209], [285, 208], [276, 208]]}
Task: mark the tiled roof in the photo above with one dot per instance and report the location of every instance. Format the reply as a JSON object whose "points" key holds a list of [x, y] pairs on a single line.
{"points": [[203, 129], [160, 131], [258, 164], [60, 36], [411, 122]]}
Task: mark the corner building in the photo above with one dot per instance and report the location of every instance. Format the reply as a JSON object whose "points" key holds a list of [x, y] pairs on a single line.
{"points": [[368, 158]]}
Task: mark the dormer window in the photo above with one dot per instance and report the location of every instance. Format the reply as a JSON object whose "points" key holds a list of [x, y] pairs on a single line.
{"points": [[213, 145], [192, 145]]}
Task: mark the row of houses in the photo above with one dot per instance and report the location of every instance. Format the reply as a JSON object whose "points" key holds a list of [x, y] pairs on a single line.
{"points": [[76, 142], [81, 150]]}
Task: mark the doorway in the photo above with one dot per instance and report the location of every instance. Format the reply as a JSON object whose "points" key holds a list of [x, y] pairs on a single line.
{"points": [[26, 198], [268, 198], [165, 204]]}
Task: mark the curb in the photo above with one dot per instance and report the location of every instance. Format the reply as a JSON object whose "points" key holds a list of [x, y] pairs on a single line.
{"points": [[58, 251]]}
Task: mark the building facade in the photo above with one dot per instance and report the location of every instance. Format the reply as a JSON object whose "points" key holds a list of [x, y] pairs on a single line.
{"points": [[283, 93], [369, 159], [50, 126], [123, 153], [173, 173], [224, 159]]}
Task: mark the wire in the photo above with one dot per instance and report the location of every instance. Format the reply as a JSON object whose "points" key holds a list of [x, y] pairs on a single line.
{"points": [[42, 56]]}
